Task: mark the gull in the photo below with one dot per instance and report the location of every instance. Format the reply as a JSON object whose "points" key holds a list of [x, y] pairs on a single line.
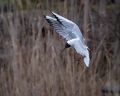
{"points": [[71, 32]]}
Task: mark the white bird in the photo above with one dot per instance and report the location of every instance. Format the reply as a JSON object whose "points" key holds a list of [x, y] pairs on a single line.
{"points": [[72, 33]]}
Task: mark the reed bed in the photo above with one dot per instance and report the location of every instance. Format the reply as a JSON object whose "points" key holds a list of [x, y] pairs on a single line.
{"points": [[31, 61]]}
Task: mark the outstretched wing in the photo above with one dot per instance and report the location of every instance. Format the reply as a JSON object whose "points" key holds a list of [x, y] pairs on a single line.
{"points": [[69, 25], [60, 28]]}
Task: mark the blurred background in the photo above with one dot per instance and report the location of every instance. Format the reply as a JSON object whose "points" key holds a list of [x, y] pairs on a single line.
{"points": [[31, 61]]}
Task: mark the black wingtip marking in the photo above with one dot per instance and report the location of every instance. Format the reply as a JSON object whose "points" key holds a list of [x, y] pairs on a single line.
{"points": [[57, 18], [52, 12], [47, 19], [45, 16]]}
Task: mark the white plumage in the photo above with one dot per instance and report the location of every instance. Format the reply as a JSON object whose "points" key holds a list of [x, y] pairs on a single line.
{"points": [[71, 32]]}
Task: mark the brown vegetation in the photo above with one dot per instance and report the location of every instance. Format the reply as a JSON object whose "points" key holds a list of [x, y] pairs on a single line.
{"points": [[31, 61]]}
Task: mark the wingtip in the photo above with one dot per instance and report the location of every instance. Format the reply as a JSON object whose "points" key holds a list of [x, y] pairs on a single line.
{"points": [[45, 16], [52, 12]]}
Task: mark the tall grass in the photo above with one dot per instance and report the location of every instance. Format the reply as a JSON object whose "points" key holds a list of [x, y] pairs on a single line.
{"points": [[31, 61]]}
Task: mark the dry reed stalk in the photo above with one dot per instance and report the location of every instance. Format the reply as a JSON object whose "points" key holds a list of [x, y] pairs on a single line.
{"points": [[34, 64]]}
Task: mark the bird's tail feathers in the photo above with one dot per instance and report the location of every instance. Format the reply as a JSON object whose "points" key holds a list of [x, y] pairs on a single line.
{"points": [[86, 59]]}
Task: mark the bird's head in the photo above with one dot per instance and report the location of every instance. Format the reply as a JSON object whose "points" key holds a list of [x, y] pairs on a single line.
{"points": [[66, 46]]}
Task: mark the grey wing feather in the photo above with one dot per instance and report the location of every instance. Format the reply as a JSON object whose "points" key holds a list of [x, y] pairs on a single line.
{"points": [[69, 25], [62, 30]]}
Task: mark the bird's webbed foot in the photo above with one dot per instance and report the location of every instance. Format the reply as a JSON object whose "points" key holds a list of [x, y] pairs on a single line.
{"points": [[81, 58]]}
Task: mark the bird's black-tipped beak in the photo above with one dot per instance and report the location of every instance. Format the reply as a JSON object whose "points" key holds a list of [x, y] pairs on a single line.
{"points": [[63, 49], [66, 46]]}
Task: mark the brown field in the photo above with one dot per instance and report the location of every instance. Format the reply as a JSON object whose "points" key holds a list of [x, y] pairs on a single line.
{"points": [[31, 61]]}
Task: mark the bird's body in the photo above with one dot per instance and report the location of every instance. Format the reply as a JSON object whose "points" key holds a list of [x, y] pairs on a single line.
{"points": [[77, 44], [71, 32]]}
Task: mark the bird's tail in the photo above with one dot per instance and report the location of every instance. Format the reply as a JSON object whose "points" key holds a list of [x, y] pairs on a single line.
{"points": [[86, 59]]}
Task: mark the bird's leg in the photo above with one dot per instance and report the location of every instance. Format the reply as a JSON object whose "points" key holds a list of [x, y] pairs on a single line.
{"points": [[82, 57], [79, 59]]}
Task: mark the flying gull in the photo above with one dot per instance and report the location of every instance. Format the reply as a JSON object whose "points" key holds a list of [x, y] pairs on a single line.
{"points": [[72, 33]]}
